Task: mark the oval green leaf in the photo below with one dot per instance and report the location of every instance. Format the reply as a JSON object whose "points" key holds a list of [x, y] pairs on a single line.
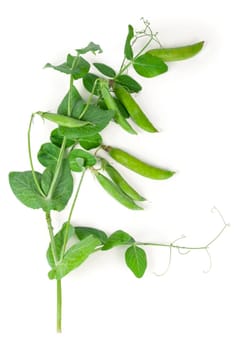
{"points": [[74, 257], [105, 70], [118, 238], [59, 198], [74, 98], [24, 188], [48, 154], [129, 83], [149, 66], [59, 241], [128, 51], [84, 231], [89, 81], [78, 159], [74, 65], [91, 142], [136, 260], [79, 66], [91, 47], [57, 139]]}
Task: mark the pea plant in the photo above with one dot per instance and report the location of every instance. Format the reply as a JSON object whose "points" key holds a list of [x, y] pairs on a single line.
{"points": [[75, 146]]}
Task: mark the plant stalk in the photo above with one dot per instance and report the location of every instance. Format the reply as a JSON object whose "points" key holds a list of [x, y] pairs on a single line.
{"points": [[59, 307]]}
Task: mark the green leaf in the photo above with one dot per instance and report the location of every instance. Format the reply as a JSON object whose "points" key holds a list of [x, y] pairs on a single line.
{"points": [[24, 188], [79, 159], [129, 83], [89, 81], [74, 98], [74, 65], [63, 68], [63, 189], [128, 51], [117, 238], [78, 109], [46, 179], [95, 115], [135, 258], [74, 257], [48, 154], [98, 117], [91, 142], [149, 66], [59, 240], [56, 138], [84, 231], [79, 66], [105, 70], [90, 47]]}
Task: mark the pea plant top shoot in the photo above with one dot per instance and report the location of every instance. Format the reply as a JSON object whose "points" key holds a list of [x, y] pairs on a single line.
{"points": [[75, 145]]}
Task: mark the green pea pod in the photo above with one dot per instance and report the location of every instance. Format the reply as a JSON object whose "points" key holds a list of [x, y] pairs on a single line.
{"points": [[133, 108], [177, 53], [116, 192], [121, 182], [63, 120], [111, 104], [138, 165]]}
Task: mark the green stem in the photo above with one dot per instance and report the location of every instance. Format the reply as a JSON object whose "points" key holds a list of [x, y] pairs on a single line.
{"points": [[59, 306], [63, 146], [170, 245], [31, 159], [124, 68], [52, 240], [58, 289], [69, 95], [57, 169], [89, 99], [70, 215], [48, 217]]}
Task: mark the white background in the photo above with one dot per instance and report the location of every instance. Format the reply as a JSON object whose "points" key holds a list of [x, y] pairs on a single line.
{"points": [[197, 107]]}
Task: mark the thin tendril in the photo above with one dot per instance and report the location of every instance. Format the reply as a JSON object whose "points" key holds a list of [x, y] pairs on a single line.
{"points": [[182, 252], [180, 248], [214, 209], [168, 265], [210, 261], [139, 34]]}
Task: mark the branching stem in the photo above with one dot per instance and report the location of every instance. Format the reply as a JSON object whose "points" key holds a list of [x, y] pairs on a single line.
{"points": [[51, 233], [31, 159], [70, 215]]}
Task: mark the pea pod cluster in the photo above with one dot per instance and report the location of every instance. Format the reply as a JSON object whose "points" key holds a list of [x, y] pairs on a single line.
{"points": [[112, 105], [115, 191], [121, 182], [134, 110]]}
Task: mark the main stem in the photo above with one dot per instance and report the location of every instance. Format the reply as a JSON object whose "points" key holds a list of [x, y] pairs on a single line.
{"points": [[59, 162], [55, 257], [59, 306]]}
